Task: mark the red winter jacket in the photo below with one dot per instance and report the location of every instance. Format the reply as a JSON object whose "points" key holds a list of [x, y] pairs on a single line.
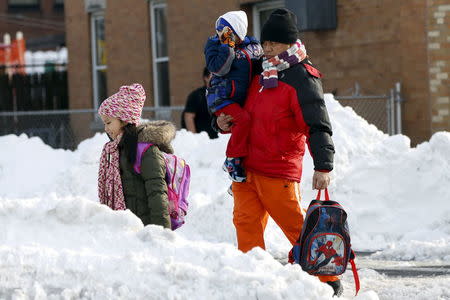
{"points": [[283, 119]]}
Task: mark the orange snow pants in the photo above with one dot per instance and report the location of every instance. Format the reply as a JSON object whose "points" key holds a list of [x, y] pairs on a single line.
{"points": [[259, 197]]}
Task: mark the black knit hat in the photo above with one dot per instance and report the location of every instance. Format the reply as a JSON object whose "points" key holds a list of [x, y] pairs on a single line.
{"points": [[281, 27]]}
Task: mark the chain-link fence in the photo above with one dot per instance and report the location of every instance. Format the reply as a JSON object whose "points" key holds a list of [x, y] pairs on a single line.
{"points": [[67, 128], [383, 111], [373, 109]]}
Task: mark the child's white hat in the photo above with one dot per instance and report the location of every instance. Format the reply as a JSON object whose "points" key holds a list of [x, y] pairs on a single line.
{"points": [[238, 21]]}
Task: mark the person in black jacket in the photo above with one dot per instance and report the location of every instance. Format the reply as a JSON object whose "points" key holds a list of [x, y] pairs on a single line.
{"points": [[196, 117]]}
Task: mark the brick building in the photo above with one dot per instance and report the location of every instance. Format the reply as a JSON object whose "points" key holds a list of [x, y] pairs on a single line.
{"points": [[41, 22], [375, 44]]}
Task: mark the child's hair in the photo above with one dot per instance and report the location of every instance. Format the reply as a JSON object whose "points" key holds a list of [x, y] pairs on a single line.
{"points": [[129, 142]]}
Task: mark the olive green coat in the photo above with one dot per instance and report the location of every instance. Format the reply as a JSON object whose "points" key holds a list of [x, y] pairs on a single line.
{"points": [[146, 193]]}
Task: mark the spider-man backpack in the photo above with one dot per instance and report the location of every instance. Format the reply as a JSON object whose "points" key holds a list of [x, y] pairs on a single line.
{"points": [[324, 245]]}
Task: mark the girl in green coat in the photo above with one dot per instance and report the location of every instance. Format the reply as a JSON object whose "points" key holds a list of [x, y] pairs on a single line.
{"points": [[119, 187]]}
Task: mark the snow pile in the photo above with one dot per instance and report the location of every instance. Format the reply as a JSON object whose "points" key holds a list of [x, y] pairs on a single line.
{"points": [[39, 58], [394, 194], [59, 240], [29, 167], [76, 248]]}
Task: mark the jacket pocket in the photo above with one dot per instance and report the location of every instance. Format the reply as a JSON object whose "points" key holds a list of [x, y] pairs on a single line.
{"points": [[288, 138]]}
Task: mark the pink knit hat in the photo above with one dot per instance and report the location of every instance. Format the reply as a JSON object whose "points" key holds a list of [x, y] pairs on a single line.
{"points": [[125, 105]]}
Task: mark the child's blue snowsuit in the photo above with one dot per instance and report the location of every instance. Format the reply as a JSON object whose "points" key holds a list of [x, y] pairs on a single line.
{"points": [[232, 71]]}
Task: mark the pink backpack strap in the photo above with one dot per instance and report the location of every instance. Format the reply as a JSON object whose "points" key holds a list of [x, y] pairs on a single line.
{"points": [[140, 150]]}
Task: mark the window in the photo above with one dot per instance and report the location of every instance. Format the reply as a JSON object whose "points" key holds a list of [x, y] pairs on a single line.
{"points": [[158, 14], [98, 58], [314, 15], [24, 4], [311, 15], [58, 4], [261, 13]]}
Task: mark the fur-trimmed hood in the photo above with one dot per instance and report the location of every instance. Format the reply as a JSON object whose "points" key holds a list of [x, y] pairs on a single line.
{"points": [[161, 133]]}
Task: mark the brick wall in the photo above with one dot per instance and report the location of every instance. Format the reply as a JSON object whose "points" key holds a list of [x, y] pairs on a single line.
{"points": [[79, 45], [189, 24], [79, 66], [377, 43], [438, 31], [128, 46], [127, 37], [358, 51], [414, 69], [128, 52]]}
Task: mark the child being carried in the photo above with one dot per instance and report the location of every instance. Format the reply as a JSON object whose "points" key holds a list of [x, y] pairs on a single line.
{"points": [[230, 55]]}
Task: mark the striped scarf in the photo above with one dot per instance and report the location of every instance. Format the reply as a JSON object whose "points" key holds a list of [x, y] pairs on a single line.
{"points": [[110, 190], [282, 61]]}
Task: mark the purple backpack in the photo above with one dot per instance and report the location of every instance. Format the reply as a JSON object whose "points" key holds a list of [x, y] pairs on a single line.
{"points": [[178, 176]]}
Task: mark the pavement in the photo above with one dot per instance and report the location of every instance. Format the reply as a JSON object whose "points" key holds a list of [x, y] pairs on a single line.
{"points": [[401, 268]]}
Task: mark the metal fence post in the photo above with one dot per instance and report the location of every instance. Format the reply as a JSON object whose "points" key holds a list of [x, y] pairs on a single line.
{"points": [[61, 134], [388, 113], [392, 111], [398, 102]]}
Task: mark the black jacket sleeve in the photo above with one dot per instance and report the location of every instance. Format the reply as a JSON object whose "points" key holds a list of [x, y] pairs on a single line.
{"points": [[315, 115]]}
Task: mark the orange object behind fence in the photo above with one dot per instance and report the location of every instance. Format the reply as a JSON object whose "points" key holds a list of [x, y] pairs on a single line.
{"points": [[12, 55], [2, 55]]}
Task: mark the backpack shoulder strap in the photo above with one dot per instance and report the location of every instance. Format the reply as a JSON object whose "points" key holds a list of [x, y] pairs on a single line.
{"points": [[355, 272], [140, 150]]}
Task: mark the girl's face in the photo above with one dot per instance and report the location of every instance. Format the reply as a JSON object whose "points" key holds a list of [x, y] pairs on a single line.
{"points": [[113, 126]]}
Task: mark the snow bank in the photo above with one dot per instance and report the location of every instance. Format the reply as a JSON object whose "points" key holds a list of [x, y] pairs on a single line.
{"points": [[29, 167], [75, 248], [394, 194], [57, 234]]}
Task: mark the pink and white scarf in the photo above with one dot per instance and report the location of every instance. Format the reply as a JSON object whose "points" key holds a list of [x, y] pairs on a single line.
{"points": [[110, 190], [282, 61]]}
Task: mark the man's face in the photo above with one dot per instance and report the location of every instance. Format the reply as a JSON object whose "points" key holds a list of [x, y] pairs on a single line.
{"points": [[272, 49]]}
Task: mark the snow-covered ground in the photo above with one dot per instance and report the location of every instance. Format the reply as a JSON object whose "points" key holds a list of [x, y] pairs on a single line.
{"points": [[58, 242]]}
